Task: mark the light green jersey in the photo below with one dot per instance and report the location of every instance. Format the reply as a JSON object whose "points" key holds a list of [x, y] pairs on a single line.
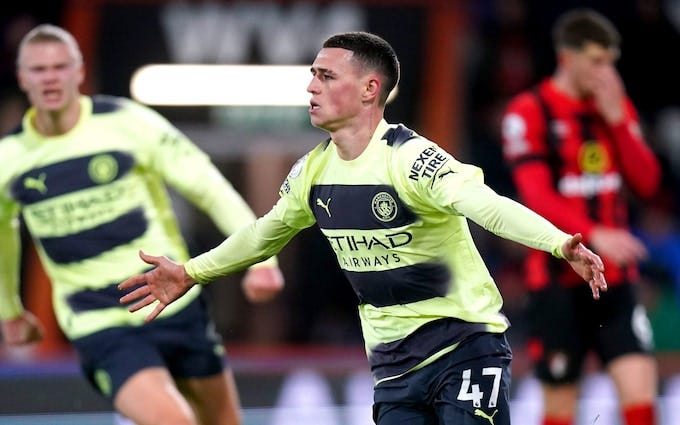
{"points": [[396, 219], [93, 197]]}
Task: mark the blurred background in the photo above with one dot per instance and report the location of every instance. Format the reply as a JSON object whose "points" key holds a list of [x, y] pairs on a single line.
{"points": [[300, 358]]}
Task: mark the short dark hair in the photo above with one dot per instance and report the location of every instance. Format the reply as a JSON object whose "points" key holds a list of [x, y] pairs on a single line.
{"points": [[579, 26], [372, 52]]}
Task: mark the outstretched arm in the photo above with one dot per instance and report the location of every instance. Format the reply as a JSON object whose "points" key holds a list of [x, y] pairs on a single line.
{"points": [[512, 220], [586, 263], [168, 281]]}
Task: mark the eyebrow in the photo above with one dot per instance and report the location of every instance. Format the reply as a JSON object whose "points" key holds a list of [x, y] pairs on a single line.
{"points": [[313, 69]]}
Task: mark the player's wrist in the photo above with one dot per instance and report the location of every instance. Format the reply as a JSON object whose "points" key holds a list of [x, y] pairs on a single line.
{"points": [[190, 277]]}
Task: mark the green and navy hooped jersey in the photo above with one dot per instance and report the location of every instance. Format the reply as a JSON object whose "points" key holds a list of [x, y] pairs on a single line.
{"points": [[396, 219], [93, 197]]}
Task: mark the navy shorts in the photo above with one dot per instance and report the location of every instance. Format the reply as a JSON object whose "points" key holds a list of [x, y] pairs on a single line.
{"points": [[186, 343], [468, 386], [567, 323]]}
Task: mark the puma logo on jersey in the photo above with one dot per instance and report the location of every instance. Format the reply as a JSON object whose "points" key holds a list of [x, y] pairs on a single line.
{"points": [[480, 412], [36, 184], [320, 203], [450, 171]]}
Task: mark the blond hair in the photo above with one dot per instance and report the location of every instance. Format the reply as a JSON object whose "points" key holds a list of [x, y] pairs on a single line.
{"points": [[46, 33]]}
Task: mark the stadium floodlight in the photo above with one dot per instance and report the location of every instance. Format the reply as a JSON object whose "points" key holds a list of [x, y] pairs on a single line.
{"points": [[211, 85], [245, 85]]}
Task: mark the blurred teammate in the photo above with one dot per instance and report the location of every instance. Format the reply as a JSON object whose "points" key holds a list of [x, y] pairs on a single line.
{"points": [[393, 207], [88, 175], [574, 145]]}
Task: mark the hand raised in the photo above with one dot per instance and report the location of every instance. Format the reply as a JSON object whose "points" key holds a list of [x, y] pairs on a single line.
{"points": [[609, 94], [586, 263], [165, 283]]}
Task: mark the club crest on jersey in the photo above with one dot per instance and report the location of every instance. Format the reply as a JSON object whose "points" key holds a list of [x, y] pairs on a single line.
{"points": [[103, 168], [294, 172], [296, 169], [593, 158], [384, 207]]}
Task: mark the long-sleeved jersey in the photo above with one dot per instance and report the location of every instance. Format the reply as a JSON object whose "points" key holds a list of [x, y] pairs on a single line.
{"points": [[571, 167], [93, 197], [396, 219]]}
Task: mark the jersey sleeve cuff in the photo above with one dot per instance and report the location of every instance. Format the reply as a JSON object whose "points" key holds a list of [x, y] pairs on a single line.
{"points": [[557, 251], [11, 309], [268, 263], [191, 271]]}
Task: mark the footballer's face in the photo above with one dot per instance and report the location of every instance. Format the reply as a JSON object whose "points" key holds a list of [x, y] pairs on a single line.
{"points": [[586, 65], [50, 75], [336, 88]]}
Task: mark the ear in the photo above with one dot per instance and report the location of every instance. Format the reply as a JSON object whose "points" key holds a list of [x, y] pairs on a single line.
{"points": [[81, 74], [564, 56], [20, 81], [372, 89]]}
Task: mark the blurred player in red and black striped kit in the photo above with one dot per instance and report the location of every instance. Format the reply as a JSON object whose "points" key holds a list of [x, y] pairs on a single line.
{"points": [[574, 146]]}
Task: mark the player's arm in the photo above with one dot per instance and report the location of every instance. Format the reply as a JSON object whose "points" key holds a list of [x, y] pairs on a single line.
{"points": [[261, 239], [526, 152], [169, 280], [456, 188], [10, 300], [525, 147], [512, 220], [188, 170], [205, 186], [639, 166], [18, 325]]}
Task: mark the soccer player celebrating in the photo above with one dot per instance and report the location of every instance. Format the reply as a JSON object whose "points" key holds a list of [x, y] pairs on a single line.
{"points": [[574, 143], [88, 175], [393, 207]]}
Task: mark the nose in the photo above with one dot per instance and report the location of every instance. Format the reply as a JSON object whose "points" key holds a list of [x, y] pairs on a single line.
{"points": [[312, 87], [50, 74]]}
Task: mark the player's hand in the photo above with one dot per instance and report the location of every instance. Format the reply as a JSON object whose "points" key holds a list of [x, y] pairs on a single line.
{"points": [[165, 283], [617, 245], [609, 94], [586, 263], [22, 330], [262, 283]]}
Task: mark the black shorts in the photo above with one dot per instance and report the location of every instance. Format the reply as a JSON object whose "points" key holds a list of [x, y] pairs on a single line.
{"points": [[567, 323], [185, 343], [469, 385]]}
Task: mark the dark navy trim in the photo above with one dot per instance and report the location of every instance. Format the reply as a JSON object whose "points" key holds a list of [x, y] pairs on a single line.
{"points": [[352, 207], [91, 243], [398, 357], [16, 130], [65, 177], [395, 136], [95, 299], [402, 285], [103, 104]]}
